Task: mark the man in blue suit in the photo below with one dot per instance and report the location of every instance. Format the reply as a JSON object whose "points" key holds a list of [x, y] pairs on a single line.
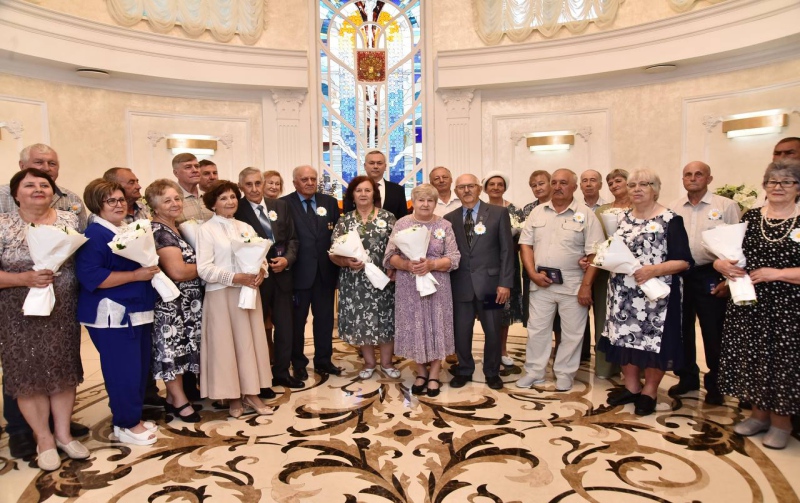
{"points": [[315, 276]]}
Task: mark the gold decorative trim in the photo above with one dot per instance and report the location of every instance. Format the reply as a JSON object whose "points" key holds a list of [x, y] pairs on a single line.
{"points": [[776, 120], [190, 143], [541, 141]]}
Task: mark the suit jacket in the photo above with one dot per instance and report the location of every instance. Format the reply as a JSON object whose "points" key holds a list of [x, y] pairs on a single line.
{"points": [[395, 202], [283, 231], [489, 262], [314, 235]]}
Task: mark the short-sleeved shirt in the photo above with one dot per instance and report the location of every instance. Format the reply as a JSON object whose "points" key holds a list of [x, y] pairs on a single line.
{"points": [[560, 240], [443, 208], [63, 199], [193, 208], [712, 211]]}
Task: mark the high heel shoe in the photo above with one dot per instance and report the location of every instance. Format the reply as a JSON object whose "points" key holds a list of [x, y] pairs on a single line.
{"points": [[262, 410], [236, 412]]}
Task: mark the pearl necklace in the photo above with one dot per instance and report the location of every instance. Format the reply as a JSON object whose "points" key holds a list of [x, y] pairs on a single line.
{"points": [[793, 219]]}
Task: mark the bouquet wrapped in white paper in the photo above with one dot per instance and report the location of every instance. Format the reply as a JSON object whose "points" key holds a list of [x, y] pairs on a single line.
{"points": [[349, 245], [610, 219], [413, 242], [135, 242], [725, 241], [516, 224], [188, 230], [250, 254], [613, 255], [50, 247]]}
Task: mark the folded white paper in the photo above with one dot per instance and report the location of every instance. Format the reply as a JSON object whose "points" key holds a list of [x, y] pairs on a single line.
{"points": [[725, 241], [413, 242], [250, 257], [615, 256]]}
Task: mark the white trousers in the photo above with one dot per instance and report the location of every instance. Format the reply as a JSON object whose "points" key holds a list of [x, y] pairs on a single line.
{"points": [[543, 306]]}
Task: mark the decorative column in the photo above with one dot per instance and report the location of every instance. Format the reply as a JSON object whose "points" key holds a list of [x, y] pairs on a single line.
{"points": [[287, 108], [459, 154]]}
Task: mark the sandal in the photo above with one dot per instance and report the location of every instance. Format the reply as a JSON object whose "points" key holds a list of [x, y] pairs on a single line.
{"points": [[392, 372], [146, 437], [194, 417], [262, 409], [434, 392], [419, 389], [366, 373], [150, 425]]}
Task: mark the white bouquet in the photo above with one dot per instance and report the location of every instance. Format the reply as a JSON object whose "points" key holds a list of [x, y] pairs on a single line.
{"points": [[610, 219], [725, 241], [614, 256], [250, 253], [349, 245], [516, 224], [413, 242], [50, 247], [742, 195], [135, 242], [188, 230]]}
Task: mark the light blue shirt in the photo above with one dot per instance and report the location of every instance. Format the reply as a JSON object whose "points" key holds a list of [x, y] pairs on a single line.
{"points": [[474, 211], [303, 201]]}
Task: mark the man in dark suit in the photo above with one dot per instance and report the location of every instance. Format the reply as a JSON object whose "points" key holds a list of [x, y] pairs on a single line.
{"points": [[482, 283], [393, 196], [315, 276], [272, 219]]}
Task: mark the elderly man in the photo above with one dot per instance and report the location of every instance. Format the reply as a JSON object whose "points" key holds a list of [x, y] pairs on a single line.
{"points": [[315, 276], [482, 283], [704, 291], [208, 174], [187, 171], [40, 156], [137, 209], [393, 196], [442, 180], [787, 148], [591, 183], [556, 236], [272, 219]]}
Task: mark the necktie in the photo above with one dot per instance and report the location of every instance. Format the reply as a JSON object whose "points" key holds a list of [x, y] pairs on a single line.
{"points": [[262, 217], [309, 208], [380, 198], [469, 226]]}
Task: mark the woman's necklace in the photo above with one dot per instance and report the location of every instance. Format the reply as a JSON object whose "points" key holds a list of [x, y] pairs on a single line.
{"points": [[792, 217], [362, 225]]}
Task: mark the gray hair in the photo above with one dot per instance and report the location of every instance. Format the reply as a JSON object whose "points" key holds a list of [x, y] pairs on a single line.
{"points": [[298, 168], [154, 191], [782, 167], [247, 172], [25, 153], [424, 190], [646, 175], [572, 175], [111, 174]]}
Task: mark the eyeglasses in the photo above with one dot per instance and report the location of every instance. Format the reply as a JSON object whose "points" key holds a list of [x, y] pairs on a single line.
{"points": [[641, 185], [115, 202], [470, 186], [771, 184]]}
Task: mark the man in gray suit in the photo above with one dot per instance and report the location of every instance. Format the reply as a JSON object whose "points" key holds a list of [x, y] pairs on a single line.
{"points": [[482, 283]]}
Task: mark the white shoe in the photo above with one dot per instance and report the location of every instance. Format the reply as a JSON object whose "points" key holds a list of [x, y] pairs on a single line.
{"points": [[74, 449], [528, 380], [146, 437], [392, 372], [48, 460], [563, 384], [507, 361]]}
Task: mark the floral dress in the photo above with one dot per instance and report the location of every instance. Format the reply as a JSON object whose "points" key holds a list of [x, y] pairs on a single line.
{"points": [[366, 314], [513, 310], [176, 328], [638, 330]]}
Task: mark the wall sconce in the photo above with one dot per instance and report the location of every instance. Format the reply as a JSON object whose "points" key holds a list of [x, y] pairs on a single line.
{"points": [[550, 140], [764, 122], [200, 146]]}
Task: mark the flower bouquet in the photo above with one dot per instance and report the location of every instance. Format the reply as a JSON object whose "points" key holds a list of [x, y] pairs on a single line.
{"points": [[413, 242], [516, 224], [50, 247], [614, 256], [725, 241], [188, 230], [135, 242], [743, 195], [250, 254], [349, 245], [610, 219]]}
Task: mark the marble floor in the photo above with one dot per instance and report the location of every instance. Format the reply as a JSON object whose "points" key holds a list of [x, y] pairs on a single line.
{"points": [[342, 439]]}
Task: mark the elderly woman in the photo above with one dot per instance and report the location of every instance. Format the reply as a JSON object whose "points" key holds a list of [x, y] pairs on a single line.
{"points": [[273, 184], [617, 181], [539, 182], [116, 306], [234, 357], [424, 325], [495, 185], [366, 314], [760, 359], [176, 331], [40, 354], [641, 333]]}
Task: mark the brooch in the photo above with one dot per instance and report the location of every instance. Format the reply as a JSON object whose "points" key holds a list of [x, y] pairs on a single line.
{"points": [[579, 217], [322, 211], [480, 229], [714, 214], [272, 215]]}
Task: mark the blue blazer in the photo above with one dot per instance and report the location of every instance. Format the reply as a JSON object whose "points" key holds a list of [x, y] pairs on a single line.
{"points": [[95, 262]]}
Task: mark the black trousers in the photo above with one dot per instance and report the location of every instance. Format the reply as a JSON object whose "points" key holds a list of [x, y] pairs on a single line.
{"points": [[710, 310], [464, 322], [14, 418], [319, 298], [279, 305]]}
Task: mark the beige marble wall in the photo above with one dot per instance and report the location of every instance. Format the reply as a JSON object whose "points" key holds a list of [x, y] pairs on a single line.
{"points": [[660, 127], [94, 129], [286, 21], [454, 25]]}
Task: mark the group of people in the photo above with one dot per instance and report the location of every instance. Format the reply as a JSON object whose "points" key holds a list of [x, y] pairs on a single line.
{"points": [[487, 259]]}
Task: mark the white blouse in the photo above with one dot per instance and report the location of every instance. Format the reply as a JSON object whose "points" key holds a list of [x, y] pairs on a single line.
{"points": [[216, 264]]}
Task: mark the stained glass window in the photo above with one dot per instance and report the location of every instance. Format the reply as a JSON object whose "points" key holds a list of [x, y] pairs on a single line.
{"points": [[370, 89]]}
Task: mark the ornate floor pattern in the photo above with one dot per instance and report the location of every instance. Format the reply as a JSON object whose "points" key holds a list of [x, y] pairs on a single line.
{"points": [[345, 440]]}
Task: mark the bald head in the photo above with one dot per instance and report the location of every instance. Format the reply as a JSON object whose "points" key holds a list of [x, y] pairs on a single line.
{"points": [[305, 180], [696, 177], [468, 189]]}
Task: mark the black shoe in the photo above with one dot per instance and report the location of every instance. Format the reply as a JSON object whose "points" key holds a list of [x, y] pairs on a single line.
{"points": [[645, 405], [154, 401], [434, 392], [22, 445], [714, 397], [77, 429], [419, 389], [459, 381], [622, 398], [288, 382], [301, 374], [682, 388], [327, 368], [267, 394], [194, 417], [494, 382]]}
